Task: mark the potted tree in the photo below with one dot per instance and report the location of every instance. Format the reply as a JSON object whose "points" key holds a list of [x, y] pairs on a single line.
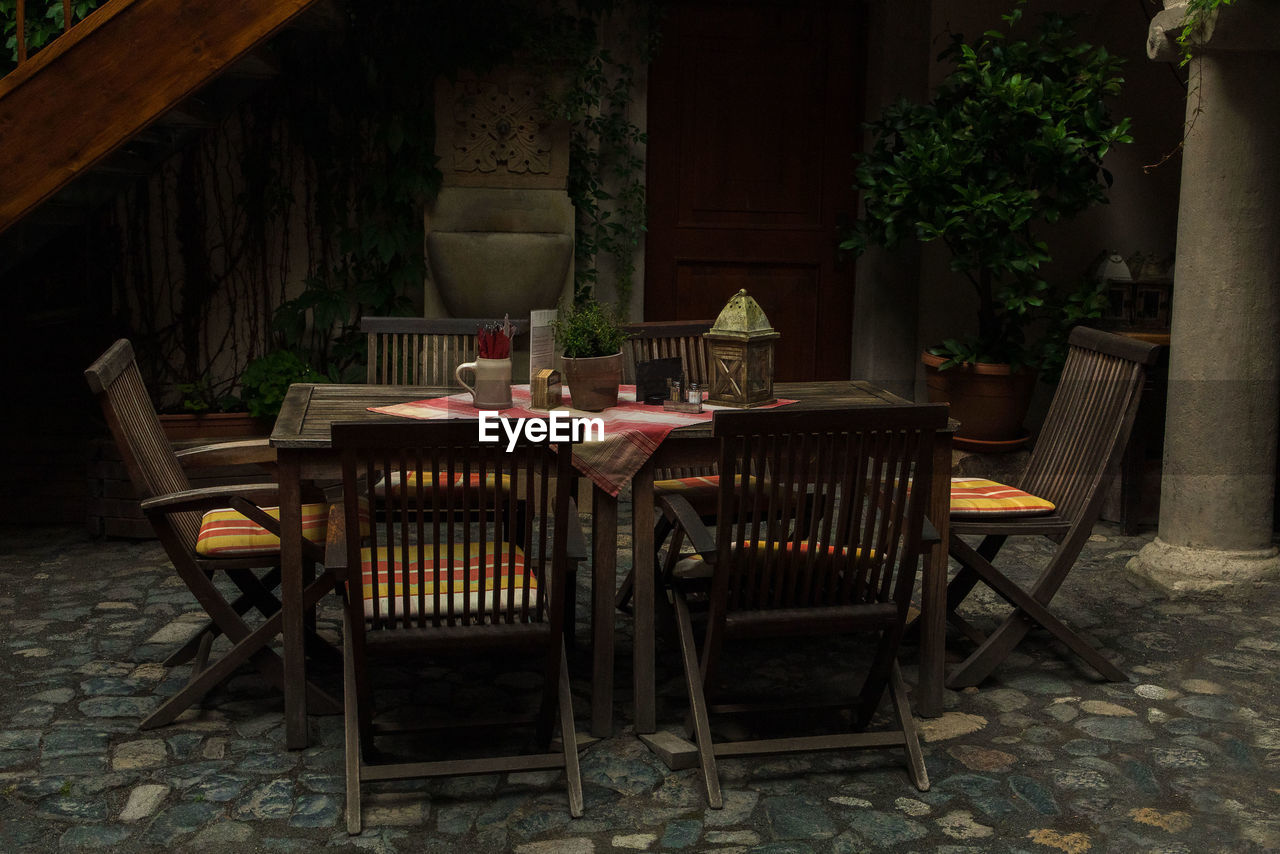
{"points": [[590, 338], [1013, 138]]}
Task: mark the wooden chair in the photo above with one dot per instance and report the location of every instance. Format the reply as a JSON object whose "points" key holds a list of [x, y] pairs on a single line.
{"points": [[448, 580], [1084, 436], [422, 350], [698, 484], [189, 535], [779, 568], [666, 340]]}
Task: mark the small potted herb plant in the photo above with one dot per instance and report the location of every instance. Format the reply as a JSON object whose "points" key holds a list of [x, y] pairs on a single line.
{"points": [[590, 338]]}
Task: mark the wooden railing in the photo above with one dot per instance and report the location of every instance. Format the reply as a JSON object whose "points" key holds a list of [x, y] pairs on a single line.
{"points": [[21, 31], [59, 118]]}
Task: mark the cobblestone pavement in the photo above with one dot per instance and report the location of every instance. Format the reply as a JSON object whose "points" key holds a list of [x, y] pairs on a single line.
{"points": [[1042, 758]]}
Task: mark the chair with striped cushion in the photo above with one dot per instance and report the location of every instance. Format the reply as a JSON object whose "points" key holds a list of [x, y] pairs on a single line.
{"points": [[697, 484], [450, 580], [1058, 496], [425, 351], [778, 568], [208, 531]]}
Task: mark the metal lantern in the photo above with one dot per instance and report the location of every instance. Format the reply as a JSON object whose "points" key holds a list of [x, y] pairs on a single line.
{"points": [[740, 345]]}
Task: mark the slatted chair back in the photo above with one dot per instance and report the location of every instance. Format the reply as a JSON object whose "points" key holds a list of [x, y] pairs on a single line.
{"points": [[667, 340], [153, 467], [858, 545], [421, 350], [440, 562], [1088, 422]]}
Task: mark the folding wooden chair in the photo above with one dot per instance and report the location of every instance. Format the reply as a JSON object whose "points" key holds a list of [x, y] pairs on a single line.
{"points": [[422, 350], [698, 484], [448, 579], [779, 568], [1076, 455], [426, 351], [208, 531]]}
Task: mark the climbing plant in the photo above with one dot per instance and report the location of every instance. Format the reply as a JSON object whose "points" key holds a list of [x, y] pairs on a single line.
{"points": [[1197, 15], [43, 22], [305, 211], [592, 79]]}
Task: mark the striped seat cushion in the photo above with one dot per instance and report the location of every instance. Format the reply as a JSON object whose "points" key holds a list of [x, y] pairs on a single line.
{"points": [[228, 533], [464, 569], [472, 479], [689, 487], [973, 497], [692, 566]]}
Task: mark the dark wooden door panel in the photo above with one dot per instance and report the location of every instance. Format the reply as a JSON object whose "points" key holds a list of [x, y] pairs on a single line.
{"points": [[787, 293], [751, 131]]}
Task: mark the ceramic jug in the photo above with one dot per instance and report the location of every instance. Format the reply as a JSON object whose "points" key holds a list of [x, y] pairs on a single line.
{"points": [[492, 389]]}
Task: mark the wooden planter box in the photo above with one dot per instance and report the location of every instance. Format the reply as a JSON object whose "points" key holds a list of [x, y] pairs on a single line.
{"points": [[213, 425]]}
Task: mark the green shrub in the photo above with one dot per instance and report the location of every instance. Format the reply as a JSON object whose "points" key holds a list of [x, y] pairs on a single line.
{"points": [[1013, 138], [266, 380]]}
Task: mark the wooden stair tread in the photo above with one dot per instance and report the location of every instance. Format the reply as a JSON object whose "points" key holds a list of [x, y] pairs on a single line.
{"points": [[59, 121]]}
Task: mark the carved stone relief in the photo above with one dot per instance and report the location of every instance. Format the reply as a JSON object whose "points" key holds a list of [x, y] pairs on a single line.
{"points": [[500, 126]]}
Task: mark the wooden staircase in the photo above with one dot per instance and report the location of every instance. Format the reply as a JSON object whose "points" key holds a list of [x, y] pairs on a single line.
{"points": [[116, 92]]}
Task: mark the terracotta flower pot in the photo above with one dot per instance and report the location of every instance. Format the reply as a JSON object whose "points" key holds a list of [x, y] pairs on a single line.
{"points": [[593, 382], [989, 400]]}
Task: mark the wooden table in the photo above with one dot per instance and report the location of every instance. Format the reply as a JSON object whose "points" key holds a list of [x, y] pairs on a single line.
{"points": [[692, 445], [304, 451], [303, 442]]}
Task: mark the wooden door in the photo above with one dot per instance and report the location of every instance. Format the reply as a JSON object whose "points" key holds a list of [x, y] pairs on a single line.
{"points": [[753, 117]]}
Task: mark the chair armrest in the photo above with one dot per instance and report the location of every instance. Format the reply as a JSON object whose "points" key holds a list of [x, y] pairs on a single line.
{"points": [[576, 542], [335, 541], [678, 508], [210, 497], [929, 535], [236, 453]]}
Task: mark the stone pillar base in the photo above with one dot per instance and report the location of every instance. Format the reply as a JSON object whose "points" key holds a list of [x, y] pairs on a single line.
{"points": [[1181, 570]]}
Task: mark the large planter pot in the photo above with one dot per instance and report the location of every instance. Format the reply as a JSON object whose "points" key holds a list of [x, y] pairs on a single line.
{"points": [[989, 400], [593, 382], [213, 425]]}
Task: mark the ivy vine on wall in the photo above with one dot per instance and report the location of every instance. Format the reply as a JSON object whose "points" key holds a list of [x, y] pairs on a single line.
{"points": [[275, 232], [596, 54], [1198, 13]]}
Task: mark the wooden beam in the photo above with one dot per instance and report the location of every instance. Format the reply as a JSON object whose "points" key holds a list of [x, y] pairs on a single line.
{"points": [[109, 77]]}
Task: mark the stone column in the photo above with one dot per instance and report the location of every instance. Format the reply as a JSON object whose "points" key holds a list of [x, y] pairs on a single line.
{"points": [[1217, 492]]}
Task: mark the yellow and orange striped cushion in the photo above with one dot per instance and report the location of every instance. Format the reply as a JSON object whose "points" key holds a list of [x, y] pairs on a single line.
{"points": [[428, 482], [973, 497], [228, 533], [464, 569], [688, 486], [689, 565]]}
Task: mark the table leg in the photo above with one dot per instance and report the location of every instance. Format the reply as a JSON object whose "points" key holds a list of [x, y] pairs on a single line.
{"points": [[933, 587], [292, 612], [604, 581], [643, 605]]}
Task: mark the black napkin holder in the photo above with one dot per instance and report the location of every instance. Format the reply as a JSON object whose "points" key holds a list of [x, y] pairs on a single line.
{"points": [[654, 376]]}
